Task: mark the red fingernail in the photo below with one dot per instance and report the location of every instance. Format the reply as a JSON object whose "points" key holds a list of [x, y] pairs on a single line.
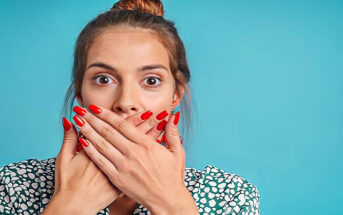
{"points": [[161, 115], [83, 142], [66, 124], [79, 147], [78, 120], [176, 119], [80, 111], [94, 109], [163, 139], [146, 115], [161, 125]]}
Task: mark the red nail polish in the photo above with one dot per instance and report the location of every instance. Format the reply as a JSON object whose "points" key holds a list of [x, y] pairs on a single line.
{"points": [[80, 111], [176, 119], [163, 139], [146, 115], [94, 109], [83, 142], [79, 147], [66, 124], [161, 125], [161, 115], [78, 120]]}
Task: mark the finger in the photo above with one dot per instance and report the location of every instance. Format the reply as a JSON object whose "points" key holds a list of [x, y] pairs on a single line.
{"points": [[139, 117], [141, 121], [100, 143], [151, 123], [68, 148], [105, 165], [126, 129], [173, 141], [157, 130], [162, 138], [104, 129]]}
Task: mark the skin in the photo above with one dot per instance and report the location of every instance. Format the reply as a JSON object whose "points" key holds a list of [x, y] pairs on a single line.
{"points": [[128, 91]]}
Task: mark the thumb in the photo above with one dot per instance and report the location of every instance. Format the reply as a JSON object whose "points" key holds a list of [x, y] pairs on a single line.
{"points": [[172, 136], [70, 141]]}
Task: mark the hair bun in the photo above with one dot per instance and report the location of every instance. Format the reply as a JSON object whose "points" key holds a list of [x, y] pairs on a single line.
{"points": [[154, 7]]}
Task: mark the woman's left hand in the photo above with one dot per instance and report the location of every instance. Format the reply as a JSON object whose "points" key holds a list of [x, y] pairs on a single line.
{"points": [[147, 172]]}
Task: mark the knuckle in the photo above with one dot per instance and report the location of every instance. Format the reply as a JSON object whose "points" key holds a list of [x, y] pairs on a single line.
{"points": [[106, 132], [102, 145], [121, 125], [100, 162], [174, 132]]}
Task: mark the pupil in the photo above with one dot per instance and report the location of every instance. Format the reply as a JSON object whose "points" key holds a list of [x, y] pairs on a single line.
{"points": [[153, 82], [102, 78]]}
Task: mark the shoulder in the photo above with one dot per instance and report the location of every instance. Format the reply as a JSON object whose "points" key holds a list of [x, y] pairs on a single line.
{"points": [[26, 186], [217, 191]]}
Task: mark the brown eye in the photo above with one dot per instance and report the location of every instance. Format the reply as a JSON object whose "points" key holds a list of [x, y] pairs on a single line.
{"points": [[102, 79], [151, 81]]}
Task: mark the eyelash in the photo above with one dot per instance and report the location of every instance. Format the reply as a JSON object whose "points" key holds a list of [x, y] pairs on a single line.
{"points": [[150, 86]]}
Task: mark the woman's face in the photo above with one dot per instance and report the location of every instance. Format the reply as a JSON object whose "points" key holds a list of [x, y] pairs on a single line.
{"points": [[127, 72]]}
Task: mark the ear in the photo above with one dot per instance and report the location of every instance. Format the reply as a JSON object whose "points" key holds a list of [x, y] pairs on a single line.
{"points": [[178, 97]]}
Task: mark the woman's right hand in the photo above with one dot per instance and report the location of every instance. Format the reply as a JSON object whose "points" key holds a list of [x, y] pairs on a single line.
{"points": [[80, 186]]}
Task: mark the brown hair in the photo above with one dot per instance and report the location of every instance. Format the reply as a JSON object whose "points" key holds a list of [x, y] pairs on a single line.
{"points": [[144, 14]]}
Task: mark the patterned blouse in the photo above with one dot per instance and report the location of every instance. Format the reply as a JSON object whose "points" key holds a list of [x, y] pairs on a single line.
{"points": [[27, 186]]}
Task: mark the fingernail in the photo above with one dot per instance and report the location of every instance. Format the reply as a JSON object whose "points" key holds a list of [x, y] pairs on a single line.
{"points": [[66, 124], [163, 139], [176, 119], [78, 120], [146, 115], [83, 142], [80, 111], [79, 147], [161, 125], [161, 115], [94, 109]]}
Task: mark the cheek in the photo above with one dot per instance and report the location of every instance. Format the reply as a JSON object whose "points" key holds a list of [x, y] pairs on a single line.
{"points": [[94, 96]]}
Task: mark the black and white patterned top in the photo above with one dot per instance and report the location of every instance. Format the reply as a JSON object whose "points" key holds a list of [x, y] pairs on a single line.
{"points": [[27, 186]]}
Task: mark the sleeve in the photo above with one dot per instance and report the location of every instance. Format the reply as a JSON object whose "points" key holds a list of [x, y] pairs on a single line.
{"points": [[8, 198], [227, 193]]}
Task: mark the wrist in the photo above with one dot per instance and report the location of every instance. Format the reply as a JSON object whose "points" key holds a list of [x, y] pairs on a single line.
{"points": [[181, 203], [66, 204]]}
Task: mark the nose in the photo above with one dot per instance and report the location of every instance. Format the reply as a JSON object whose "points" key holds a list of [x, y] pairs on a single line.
{"points": [[126, 102]]}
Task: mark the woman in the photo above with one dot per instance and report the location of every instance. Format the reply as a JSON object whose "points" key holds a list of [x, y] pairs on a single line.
{"points": [[130, 71]]}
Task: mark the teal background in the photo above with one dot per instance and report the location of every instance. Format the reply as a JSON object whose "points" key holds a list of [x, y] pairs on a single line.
{"points": [[267, 81]]}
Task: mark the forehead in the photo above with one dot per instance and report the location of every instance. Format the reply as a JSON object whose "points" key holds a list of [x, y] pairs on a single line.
{"points": [[123, 45]]}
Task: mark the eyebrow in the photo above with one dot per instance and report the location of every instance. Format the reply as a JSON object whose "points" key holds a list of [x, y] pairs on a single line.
{"points": [[141, 69]]}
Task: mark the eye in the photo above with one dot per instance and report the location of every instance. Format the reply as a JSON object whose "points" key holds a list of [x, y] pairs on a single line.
{"points": [[102, 78], [151, 81]]}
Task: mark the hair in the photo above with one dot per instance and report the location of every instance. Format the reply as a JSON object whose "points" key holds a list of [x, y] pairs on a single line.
{"points": [[140, 14]]}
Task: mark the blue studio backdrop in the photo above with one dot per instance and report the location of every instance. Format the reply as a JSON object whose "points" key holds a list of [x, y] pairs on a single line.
{"points": [[267, 83]]}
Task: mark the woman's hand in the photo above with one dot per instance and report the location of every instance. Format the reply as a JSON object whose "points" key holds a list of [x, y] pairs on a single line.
{"points": [[149, 173], [80, 186]]}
